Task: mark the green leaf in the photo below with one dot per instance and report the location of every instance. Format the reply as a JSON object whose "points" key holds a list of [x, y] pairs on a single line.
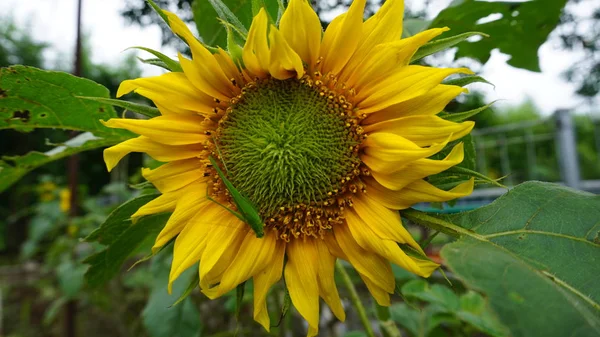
{"points": [[170, 64], [160, 317], [117, 221], [70, 278], [211, 31], [474, 311], [437, 294], [12, 168], [135, 107], [531, 252], [466, 80], [461, 116], [522, 29], [442, 44], [32, 98], [107, 263]]}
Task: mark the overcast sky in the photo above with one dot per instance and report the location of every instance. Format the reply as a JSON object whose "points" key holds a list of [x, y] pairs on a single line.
{"points": [[53, 21]]}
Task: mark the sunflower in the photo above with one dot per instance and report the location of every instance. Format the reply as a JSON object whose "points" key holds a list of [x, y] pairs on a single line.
{"points": [[328, 133]]}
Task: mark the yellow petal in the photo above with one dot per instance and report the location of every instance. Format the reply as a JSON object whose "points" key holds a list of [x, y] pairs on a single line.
{"points": [[429, 103], [227, 233], [263, 281], [284, 62], [384, 222], [168, 130], [206, 69], [191, 201], [327, 288], [301, 279], [407, 83], [342, 37], [163, 203], [256, 50], [175, 175], [416, 170], [158, 151], [171, 89], [423, 130], [384, 26], [252, 257], [188, 249], [301, 27], [213, 276], [368, 263], [388, 249], [419, 191], [381, 296], [387, 152], [385, 58]]}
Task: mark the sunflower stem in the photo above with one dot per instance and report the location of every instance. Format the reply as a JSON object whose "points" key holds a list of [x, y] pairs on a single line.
{"points": [[360, 308]]}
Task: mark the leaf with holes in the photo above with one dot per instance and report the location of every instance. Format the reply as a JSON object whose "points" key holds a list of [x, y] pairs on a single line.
{"points": [[528, 22], [32, 98], [534, 253]]}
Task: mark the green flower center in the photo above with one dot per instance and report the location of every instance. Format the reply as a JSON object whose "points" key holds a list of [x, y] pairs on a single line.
{"points": [[289, 144]]}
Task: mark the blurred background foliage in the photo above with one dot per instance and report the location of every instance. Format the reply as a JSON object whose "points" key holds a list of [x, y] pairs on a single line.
{"points": [[41, 274]]}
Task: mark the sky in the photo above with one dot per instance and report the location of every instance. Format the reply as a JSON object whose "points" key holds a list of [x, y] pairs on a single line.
{"points": [[53, 21]]}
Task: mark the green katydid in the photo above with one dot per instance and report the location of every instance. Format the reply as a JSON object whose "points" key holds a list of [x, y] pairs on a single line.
{"points": [[247, 211]]}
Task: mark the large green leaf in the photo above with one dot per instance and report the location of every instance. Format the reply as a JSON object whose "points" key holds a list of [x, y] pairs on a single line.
{"points": [[161, 317], [212, 31], [107, 263], [118, 220], [522, 29], [32, 98], [535, 253]]}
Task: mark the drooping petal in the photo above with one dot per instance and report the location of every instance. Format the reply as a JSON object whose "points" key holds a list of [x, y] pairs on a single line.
{"points": [[327, 288], [388, 249], [423, 130], [368, 263], [407, 83], [383, 221], [168, 130], [263, 281], [416, 170], [175, 175], [204, 72], [191, 202], [158, 151], [253, 256], [189, 245], [389, 153], [284, 62], [171, 89], [301, 272], [430, 103], [256, 53], [301, 27], [342, 37], [419, 191], [163, 203], [227, 233], [381, 296]]}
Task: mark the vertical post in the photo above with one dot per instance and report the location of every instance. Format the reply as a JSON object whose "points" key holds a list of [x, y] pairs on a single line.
{"points": [[569, 161]]}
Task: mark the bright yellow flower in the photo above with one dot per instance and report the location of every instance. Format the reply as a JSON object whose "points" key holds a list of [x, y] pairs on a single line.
{"points": [[328, 134]]}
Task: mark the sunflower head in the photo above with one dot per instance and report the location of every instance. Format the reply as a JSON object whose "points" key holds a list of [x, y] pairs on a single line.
{"points": [[325, 136]]}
